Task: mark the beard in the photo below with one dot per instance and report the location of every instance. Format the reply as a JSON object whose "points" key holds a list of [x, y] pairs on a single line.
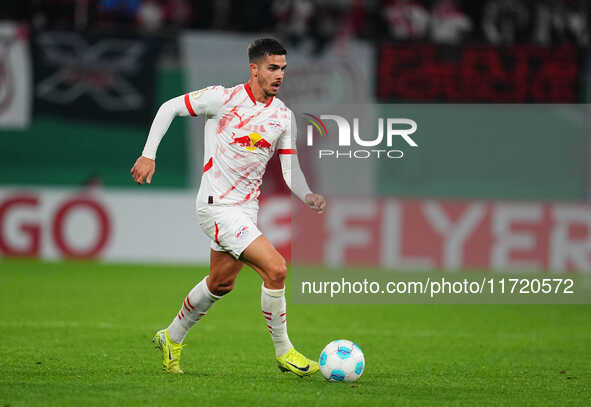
{"points": [[268, 88]]}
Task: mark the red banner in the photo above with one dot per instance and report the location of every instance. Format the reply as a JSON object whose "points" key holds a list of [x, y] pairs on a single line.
{"points": [[518, 74], [395, 233]]}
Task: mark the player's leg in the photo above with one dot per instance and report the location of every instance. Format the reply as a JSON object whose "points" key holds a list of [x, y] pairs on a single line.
{"points": [[269, 263], [274, 311], [223, 270], [271, 266], [220, 281]]}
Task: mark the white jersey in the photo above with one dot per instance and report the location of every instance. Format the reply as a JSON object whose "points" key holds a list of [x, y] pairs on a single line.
{"points": [[241, 136], [245, 135]]}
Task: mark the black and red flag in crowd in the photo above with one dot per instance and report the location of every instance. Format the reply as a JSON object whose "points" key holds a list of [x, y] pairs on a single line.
{"points": [[109, 78]]}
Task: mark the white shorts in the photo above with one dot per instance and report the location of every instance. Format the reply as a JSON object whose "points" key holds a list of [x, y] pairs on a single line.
{"points": [[230, 228]]}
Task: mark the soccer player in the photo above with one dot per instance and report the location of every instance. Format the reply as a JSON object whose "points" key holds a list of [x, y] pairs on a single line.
{"points": [[245, 126]]}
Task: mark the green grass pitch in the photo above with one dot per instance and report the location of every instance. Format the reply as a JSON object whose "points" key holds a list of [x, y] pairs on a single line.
{"points": [[79, 334]]}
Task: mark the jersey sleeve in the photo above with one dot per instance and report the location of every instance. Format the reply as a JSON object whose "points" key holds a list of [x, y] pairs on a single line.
{"points": [[290, 166], [166, 113], [206, 101], [287, 141]]}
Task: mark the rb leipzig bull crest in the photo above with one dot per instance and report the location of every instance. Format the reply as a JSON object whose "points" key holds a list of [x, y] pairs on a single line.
{"points": [[251, 142]]}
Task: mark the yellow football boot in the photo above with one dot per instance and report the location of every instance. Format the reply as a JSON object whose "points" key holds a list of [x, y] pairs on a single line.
{"points": [[171, 352], [293, 361]]}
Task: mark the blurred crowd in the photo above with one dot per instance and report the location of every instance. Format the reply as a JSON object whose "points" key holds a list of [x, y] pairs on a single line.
{"points": [[498, 22]]}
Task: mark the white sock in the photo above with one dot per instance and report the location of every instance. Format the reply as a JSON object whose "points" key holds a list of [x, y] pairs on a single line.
{"points": [[194, 307], [273, 306]]}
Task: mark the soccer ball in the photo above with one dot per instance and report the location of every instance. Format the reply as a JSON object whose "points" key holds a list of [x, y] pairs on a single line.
{"points": [[341, 361]]}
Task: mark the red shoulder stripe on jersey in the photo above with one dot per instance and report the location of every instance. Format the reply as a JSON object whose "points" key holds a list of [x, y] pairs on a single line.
{"points": [[208, 165], [189, 107], [287, 151], [249, 91]]}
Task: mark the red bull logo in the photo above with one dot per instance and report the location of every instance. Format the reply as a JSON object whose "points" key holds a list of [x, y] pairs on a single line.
{"points": [[251, 142]]}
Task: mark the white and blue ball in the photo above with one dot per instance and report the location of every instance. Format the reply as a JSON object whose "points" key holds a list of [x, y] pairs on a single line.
{"points": [[341, 361]]}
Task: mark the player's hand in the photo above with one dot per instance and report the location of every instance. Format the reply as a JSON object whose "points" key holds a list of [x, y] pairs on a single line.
{"points": [[143, 169], [316, 202]]}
